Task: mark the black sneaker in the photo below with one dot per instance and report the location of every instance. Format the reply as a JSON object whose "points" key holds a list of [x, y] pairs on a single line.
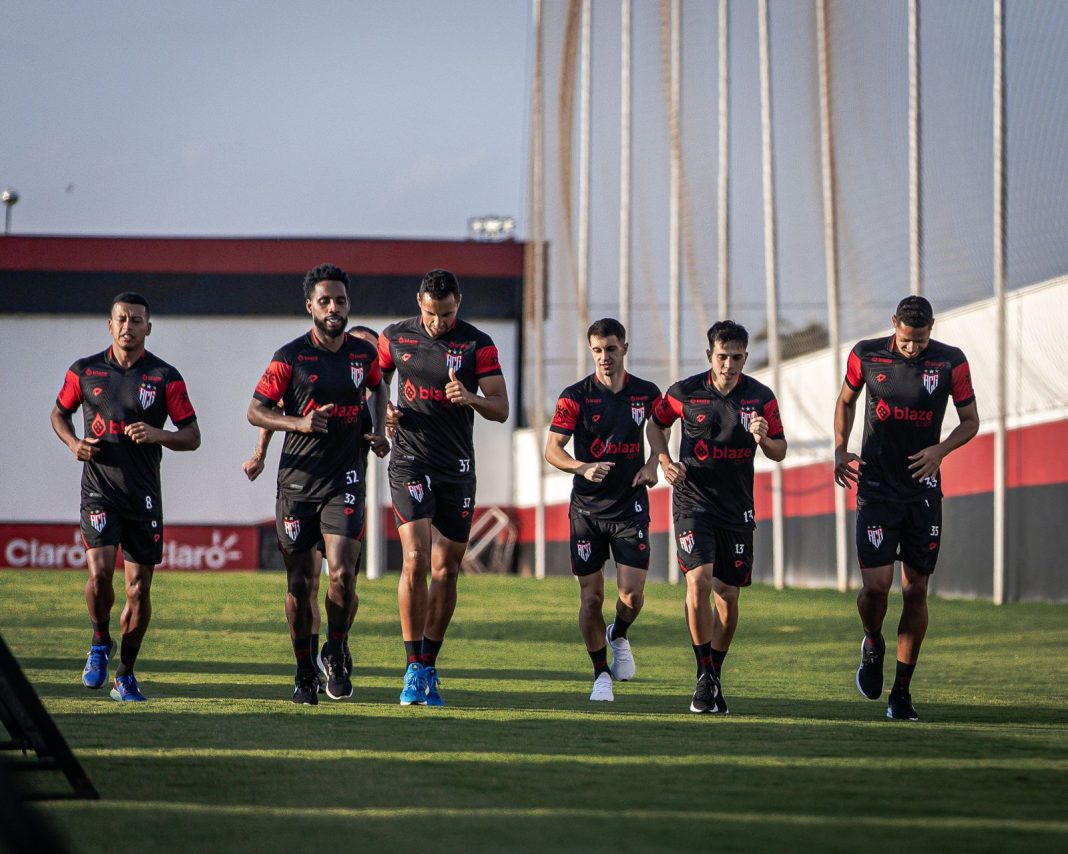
{"points": [[348, 657], [304, 690], [338, 683], [704, 697], [900, 707], [870, 672], [719, 705]]}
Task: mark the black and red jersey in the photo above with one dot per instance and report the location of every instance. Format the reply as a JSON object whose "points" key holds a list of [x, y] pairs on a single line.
{"points": [[305, 375], [717, 446], [434, 434], [123, 473], [608, 427], [906, 402]]}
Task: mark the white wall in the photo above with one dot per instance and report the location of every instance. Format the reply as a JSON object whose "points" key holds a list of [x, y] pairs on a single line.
{"points": [[221, 359]]}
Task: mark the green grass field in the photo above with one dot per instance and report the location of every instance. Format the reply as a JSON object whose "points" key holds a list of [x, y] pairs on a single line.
{"points": [[220, 759]]}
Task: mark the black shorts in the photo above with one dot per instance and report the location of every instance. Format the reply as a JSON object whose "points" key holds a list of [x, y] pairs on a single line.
{"points": [[300, 525], [909, 531], [729, 551], [450, 506], [592, 538], [141, 538]]}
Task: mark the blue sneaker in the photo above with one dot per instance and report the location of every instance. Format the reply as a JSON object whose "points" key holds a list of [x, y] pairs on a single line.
{"points": [[95, 673], [430, 676], [126, 690], [414, 693]]}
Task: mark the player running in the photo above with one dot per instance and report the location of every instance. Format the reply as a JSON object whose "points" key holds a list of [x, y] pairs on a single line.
{"points": [[321, 380], [726, 416], [606, 413], [127, 395], [909, 378], [442, 365]]}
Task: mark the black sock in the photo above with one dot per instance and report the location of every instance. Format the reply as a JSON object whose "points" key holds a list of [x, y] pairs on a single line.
{"points": [[127, 657], [335, 639], [902, 678], [703, 654], [717, 659], [599, 657], [101, 635], [618, 629], [313, 644], [414, 651], [874, 640], [431, 648], [302, 652]]}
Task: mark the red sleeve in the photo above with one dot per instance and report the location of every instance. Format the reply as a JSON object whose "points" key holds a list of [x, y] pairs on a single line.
{"points": [[771, 415], [274, 382], [666, 410], [486, 362], [963, 393], [70, 396], [567, 415], [178, 406], [854, 375], [385, 360], [374, 375]]}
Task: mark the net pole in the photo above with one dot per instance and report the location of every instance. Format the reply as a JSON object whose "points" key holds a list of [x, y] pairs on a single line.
{"points": [[999, 305], [915, 185], [583, 290], [674, 243], [625, 95], [771, 284], [723, 179], [376, 553]]}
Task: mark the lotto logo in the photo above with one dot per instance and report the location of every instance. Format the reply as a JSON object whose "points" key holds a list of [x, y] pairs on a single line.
{"points": [[875, 535], [584, 549], [686, 541], [98, 519]]}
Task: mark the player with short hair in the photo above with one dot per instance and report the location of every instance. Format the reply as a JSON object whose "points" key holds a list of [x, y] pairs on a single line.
{"points": [[910, 378], [321, 379], [447, 370], [127, 395], [726, 415], [606, 413]]}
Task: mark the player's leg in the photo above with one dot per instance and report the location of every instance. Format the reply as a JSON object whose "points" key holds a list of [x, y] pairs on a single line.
{"points": [[700, 621], [630, 549], [134, 620], [877, 533], [317, 620], [589, 551], [99, 599], [732, 570], [415, 538], [297, 526], [342, 603], [446, 556]]}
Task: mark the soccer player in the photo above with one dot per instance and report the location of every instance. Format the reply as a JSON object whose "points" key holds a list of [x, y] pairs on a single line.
{"points": [[321, 380], [909, 378], [447, 370], [127, 395], [726, 416], [606, 413], [253, 468]]}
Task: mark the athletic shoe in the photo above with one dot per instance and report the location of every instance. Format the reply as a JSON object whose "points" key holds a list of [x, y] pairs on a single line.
{"points": [[719, 705], [870, 672], [704, 696], [338, 683], [320, 671], [602, 688], [901, 708], [348, 658], [622, 659], [414, 693], [95, 673], [430, 677], [126, 690], [305, 689]]}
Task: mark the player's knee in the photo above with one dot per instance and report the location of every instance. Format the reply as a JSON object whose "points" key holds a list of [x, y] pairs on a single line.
{"points": [[914, 595], [633, 599], [300, 587]]}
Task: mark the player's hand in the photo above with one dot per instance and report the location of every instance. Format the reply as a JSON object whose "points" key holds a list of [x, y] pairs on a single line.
{"points": [[393, 417], [253, 467], [596, 472], [845, 473], [379, 443], [674, 472], [317, 420], [925, 463], [143, 434], [758, 427], [86, 449], [455, 391], [646, 476]]}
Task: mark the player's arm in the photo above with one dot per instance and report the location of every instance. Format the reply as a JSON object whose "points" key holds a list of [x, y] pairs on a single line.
{"points": [[926, 462], [253, 466], [270, 418], [186, 438], [63, 423], [674, 472], [379, 423], [648, 474], [491, 404], [766, 430], [845, 410], [557, 456]]}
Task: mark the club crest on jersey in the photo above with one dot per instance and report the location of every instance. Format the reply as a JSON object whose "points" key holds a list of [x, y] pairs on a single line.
{"points": [[415, 489], [686, 541], [637, 412], [292, 527], [745, 416], [930, 381], [147, 395], [875, 535], [454, 359], [357, 374], [98, 519], [584, 549]]}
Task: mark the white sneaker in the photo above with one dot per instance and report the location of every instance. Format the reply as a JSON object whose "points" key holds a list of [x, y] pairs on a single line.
{"points": [[602, 689], [622, 659]]}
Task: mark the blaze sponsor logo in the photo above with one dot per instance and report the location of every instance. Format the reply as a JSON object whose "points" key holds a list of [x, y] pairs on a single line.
{"points": [[920, 416], [292, 527], [686, 541], [700, 450], [100, 426], [700, 401], [415, 489], [880, 378], [930, 381], [882, 361], [932, 364], [148, 378], [875, 535], [719, 453], [98, 519], [146, 394], [882, 410], [584, 549], [637, 412], [626, 449], [357, 374], [302, 358], [89, 372], [593, 400], [410, 392], [403, 340]]}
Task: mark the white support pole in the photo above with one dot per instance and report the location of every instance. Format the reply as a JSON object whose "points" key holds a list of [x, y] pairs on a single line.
{"points": [[915, 187], [625, 96], [537, 268], [375, 555], [772, 297], [1000, 349], [723, 180], [583, 278], [674, 232]]}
